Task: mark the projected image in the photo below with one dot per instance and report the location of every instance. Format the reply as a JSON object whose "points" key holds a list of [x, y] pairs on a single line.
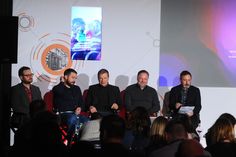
{"points": [[86, 33], [199, 40]]}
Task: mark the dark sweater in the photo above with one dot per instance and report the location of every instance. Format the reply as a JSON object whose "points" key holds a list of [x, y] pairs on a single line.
{"points": [[103, 97], [67, 99], [147, 98]]}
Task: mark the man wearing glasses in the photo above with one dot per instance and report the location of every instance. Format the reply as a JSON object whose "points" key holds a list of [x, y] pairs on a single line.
{"points": [[22, 95]]}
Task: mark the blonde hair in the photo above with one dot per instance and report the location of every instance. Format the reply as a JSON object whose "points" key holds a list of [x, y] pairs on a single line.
{"points": [[222, 131], [158, 126]]}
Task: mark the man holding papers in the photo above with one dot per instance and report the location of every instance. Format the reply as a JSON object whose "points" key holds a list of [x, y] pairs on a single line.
{"points": [[186, 99]]}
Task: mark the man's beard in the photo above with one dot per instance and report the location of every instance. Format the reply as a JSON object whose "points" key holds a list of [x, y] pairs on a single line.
{"points": [[70, 83], [27, 82]]}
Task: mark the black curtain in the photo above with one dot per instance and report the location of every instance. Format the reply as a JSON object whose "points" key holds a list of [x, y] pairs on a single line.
{"points": [[5, 85]]}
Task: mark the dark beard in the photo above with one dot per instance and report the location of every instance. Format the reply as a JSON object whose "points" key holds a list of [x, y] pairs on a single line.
{"points": [[27, 82], [70, 84]]}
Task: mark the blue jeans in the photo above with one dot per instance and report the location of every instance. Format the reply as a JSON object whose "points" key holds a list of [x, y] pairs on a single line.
{"points": [[73, 122]]}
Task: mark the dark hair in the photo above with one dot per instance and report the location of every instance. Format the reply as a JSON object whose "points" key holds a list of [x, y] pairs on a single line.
{"points": [[185, 72], [103, 71], [228, 116], [22, 69], [113, 126], [143, 71], [139, 121], [176, 128], [69, 71]]}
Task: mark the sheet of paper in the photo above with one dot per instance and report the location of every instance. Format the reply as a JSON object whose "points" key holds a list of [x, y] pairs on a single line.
{"points": [[186, 109]]}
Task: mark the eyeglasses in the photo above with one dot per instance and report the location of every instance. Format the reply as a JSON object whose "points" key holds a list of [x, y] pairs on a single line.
{"points": [[28, 75]]}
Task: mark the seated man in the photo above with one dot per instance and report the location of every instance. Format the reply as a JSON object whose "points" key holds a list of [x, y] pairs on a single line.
{"points": [[103, 97], [68, 101], [22, 95], [140, 94], [186, 95]]}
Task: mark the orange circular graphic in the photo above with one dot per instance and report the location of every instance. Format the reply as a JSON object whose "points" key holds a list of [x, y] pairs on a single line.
{"points": [[55, 59]]}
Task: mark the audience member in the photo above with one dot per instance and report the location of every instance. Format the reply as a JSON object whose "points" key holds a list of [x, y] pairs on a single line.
{"points": [[222, 136], [112, 131], [157, 134], [140, 94], [175, 133], [138, 130], [191, 148]]}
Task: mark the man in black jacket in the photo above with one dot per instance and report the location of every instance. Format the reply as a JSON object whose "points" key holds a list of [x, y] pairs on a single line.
{"points": [[186, 95], [103, 97]]}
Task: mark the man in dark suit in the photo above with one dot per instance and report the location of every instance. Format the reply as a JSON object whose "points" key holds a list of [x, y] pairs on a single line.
{"points": [[22, 95], [103, 97], [186, 95]]}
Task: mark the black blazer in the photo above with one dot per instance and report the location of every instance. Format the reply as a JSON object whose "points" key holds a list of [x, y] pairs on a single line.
{"points": [[94, 97], [193, 99]]}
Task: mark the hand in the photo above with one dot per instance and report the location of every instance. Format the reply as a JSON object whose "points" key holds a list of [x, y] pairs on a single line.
{"points": [[190, 114], [153, 114], [77, 110], [178, 105], [114, 106], [92, 109]]}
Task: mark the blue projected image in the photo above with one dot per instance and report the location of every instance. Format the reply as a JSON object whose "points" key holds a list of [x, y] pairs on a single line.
{"points": [[86, 33]]}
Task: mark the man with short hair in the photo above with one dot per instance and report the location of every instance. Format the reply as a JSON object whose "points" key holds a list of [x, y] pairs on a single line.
{"points": [[103, 97], [140, 94], [68, 101], [185, 94], [22, 95]]}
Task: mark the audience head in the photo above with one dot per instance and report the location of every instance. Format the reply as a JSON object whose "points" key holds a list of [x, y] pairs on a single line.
{"points": [[25, 75], [185, 78], [112, 129], [45, 129], [185, 119], [231, 118], [216, 131], [158, 126], [142, 78], [222, 131], [139, 121], [103, 77], [70, 75], [175, 130], [190, 148]]}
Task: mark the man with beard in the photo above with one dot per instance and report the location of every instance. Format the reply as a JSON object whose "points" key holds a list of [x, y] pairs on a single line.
{"points": [[22, 95], [186, 95], [68, 102]]}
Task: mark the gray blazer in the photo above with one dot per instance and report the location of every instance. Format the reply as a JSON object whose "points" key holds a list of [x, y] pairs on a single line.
{"points": [[19, 100]]}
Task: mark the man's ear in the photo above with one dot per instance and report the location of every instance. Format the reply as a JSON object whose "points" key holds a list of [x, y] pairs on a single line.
{"points": [[65, 77]]}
